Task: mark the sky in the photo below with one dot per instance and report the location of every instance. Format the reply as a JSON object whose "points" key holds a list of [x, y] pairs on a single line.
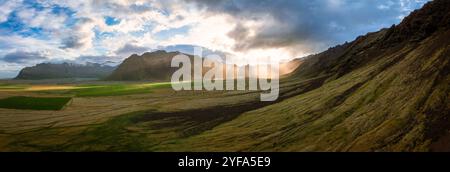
{"points": [[108, 31]]}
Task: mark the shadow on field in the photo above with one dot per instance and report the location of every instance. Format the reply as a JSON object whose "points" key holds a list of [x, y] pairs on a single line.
{"points": [[196, 121]]}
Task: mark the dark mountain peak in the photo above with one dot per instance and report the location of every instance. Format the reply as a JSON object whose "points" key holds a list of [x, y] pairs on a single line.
{"points": [[134, 55], [155, 53], [160, 51], [421, 23], [432, 18], [435, 13]]}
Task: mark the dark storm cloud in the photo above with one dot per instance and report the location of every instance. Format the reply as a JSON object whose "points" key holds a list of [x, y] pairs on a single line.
{"points": [[21, 57], [305, 23]]}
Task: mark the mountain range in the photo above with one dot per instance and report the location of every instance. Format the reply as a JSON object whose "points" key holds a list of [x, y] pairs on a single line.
{"points": [[156, 66], [65, 70]]}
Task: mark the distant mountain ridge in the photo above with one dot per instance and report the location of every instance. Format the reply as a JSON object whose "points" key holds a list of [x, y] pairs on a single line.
{"points": [[156, 66], [65, 70]]}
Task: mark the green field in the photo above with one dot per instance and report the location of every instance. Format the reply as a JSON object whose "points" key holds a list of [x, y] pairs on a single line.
{"points": [[59, 94], [111, 90], [12, 87], [34, 103]]}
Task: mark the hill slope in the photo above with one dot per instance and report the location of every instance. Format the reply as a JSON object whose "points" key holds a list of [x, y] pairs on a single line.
{"points": [[385, 91], [65, 70]]}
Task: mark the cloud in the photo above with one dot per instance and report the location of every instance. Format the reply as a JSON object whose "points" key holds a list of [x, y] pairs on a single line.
{"points": [[81, 36], [21, 57], [308, 25], [48, 48], [44, 19], [190, 49], [130, 48], [6, 7], [9, 70], [105, 60]]}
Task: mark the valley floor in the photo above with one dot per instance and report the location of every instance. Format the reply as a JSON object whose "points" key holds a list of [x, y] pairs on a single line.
{"points": [[104, 121]]}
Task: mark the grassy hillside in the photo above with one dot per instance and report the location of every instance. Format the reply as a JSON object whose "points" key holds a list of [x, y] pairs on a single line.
{"points": [[396, 109]]}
